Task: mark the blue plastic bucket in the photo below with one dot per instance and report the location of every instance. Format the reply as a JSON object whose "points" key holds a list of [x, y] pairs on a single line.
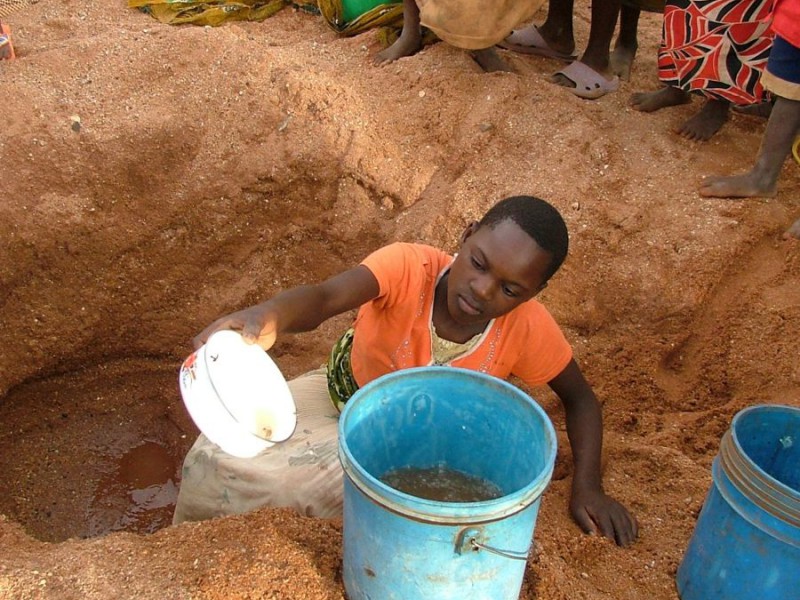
{"points": [[746, 543], [401, 547]]}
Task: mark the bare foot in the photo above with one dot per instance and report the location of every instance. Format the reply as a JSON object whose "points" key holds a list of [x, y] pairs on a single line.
{"points": [[708, 120], [749, 185], [762, 110], [621, 60], [409, 42], [490, 61], [653, 101], [793, 231]]}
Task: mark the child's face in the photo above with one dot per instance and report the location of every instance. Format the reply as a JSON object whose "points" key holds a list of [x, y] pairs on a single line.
{"points": [[496, 270]]}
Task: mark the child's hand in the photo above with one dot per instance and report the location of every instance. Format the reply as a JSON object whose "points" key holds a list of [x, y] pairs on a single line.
{"points": [[595, 511], [257, 324]]}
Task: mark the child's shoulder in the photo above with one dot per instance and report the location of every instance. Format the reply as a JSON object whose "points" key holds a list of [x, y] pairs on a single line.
{"points": [[533, 327], [533, 313], [408, 259], [413, 251]]}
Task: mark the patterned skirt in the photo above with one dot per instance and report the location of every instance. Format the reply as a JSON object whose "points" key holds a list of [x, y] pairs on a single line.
{"points": [[341, 383], [717, 48]]}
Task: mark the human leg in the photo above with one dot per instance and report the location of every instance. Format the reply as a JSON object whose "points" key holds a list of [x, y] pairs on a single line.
{"points": [[553, 39], [782, 78], [302, 473], [621, 59], [782, 129], [653, 101], [604, 20], [490, 61], [410, 40], [760, 110], [596, 55], [706, 122]]}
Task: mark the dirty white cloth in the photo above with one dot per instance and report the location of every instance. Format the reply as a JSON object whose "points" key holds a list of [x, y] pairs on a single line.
{"points": [[303, 472], [475, 24]]}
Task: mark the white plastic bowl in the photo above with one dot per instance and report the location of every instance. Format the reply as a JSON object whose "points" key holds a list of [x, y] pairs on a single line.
{"points": [[236, 395]]}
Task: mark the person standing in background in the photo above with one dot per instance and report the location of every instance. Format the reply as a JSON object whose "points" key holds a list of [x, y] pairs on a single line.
{"points": [[714, 48], [782, 78]]}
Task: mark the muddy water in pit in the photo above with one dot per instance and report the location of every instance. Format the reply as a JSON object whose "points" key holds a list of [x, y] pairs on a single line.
{"points": [[95, 451], [138, 496]]}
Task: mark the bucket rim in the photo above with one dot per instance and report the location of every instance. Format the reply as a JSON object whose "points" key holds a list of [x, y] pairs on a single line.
{"points": [[763, 500], [777, 485], [448, 512], [752, 465]]}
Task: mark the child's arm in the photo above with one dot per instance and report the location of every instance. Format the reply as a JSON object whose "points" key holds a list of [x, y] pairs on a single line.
{"points": [[410, 39], [298, 309], [591, 508]]}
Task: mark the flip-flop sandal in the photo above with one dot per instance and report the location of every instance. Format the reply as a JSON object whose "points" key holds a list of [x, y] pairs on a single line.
{"points": [[530, 41], [589, 83], [6, 48]]}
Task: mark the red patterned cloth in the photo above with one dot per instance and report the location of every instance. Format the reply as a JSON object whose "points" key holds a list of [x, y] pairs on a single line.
{"points": [[717, 48]]}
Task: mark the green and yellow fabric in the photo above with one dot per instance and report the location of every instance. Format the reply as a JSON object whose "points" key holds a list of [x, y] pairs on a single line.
{"points": [[341, 383], [351, 17], [208, 12], [347, 17]]}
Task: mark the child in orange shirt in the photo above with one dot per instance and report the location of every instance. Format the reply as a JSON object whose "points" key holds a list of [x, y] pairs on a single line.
{"points": [[417, 306]]}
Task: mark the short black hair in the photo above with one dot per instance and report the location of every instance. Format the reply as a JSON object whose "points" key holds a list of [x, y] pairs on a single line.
{"points": [[539, 219]]}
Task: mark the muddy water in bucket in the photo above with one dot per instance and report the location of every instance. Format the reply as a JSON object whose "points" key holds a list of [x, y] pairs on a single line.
{"points": [[746, 543], [398, 546]]}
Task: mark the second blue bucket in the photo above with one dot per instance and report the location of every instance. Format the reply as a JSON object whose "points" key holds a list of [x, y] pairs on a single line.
{"points": [[746, 543], [401, 547]]}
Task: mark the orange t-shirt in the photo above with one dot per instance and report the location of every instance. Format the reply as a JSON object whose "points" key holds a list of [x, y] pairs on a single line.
{"points": [[392, 332]]}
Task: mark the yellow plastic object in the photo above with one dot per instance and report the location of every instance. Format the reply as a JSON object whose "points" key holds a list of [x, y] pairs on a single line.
{"points": [[796, 150]]}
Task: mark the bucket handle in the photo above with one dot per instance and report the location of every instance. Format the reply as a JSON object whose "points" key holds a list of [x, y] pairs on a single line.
{"points": [[468, 540]]}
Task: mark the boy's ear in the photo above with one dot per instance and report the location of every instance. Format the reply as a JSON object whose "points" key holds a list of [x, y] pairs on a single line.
{"points": [[469, 230]]}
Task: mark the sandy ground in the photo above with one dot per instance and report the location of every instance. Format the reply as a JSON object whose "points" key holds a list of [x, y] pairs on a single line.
{"points": [[156, 177]]}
